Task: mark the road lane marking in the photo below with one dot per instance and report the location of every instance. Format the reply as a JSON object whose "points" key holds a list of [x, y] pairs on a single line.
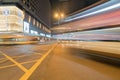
{"points": [[38, 53], [15, 62], [14, 57], [3, 60], [34, 67], [15, 65]]}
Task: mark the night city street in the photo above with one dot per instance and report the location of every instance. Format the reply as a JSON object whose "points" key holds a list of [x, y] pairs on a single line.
{"points": [[64, 62], [59, 39]]}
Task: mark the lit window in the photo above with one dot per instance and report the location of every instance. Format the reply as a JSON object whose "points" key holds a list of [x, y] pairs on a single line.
{"points": [[33, 21], [33, 32], [37, 24], [26, 27], [42, 34], [29, 19], [40, 25]]}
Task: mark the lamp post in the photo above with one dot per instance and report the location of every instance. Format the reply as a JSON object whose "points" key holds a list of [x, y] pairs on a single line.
{"points": [[59, 17]]}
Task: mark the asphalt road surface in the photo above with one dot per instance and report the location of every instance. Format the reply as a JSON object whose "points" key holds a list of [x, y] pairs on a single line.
{"points": [[15, 60], [62, 63]]}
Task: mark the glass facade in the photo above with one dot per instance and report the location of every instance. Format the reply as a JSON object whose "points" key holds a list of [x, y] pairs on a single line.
{"points": [[33, 26]]}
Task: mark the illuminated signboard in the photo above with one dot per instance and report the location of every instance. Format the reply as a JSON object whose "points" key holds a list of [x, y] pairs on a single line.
{"points": [[33, 32], [42, 34], [26, 27], [48, 35]]}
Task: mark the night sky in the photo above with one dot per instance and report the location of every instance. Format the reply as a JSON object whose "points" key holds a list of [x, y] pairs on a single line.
{"points": [[48, 7], [69, 6]]}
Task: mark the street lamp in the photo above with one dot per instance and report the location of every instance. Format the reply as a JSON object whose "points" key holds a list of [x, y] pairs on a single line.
{"points": [[59, 16], [56, 15], [62, 15]]}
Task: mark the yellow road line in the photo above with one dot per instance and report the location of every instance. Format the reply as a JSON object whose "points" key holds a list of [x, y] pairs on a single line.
{"points": [[38, 53], [15, 65], [11, 59], [14, 57], [34, 67], [3, 60]]}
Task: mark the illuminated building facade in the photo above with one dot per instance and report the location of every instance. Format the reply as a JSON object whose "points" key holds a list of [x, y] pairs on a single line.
{"points": [[11, 19], [22, 16]]}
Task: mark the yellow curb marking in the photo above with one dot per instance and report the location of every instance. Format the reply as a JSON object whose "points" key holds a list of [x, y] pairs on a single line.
{"points": [[34, 67], [11, 59]]}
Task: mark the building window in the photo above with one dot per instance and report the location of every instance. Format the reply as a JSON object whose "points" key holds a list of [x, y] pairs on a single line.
{"points": [[43, 27], [29, 19], [33, 21], [39, 25], [24, 1]]}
